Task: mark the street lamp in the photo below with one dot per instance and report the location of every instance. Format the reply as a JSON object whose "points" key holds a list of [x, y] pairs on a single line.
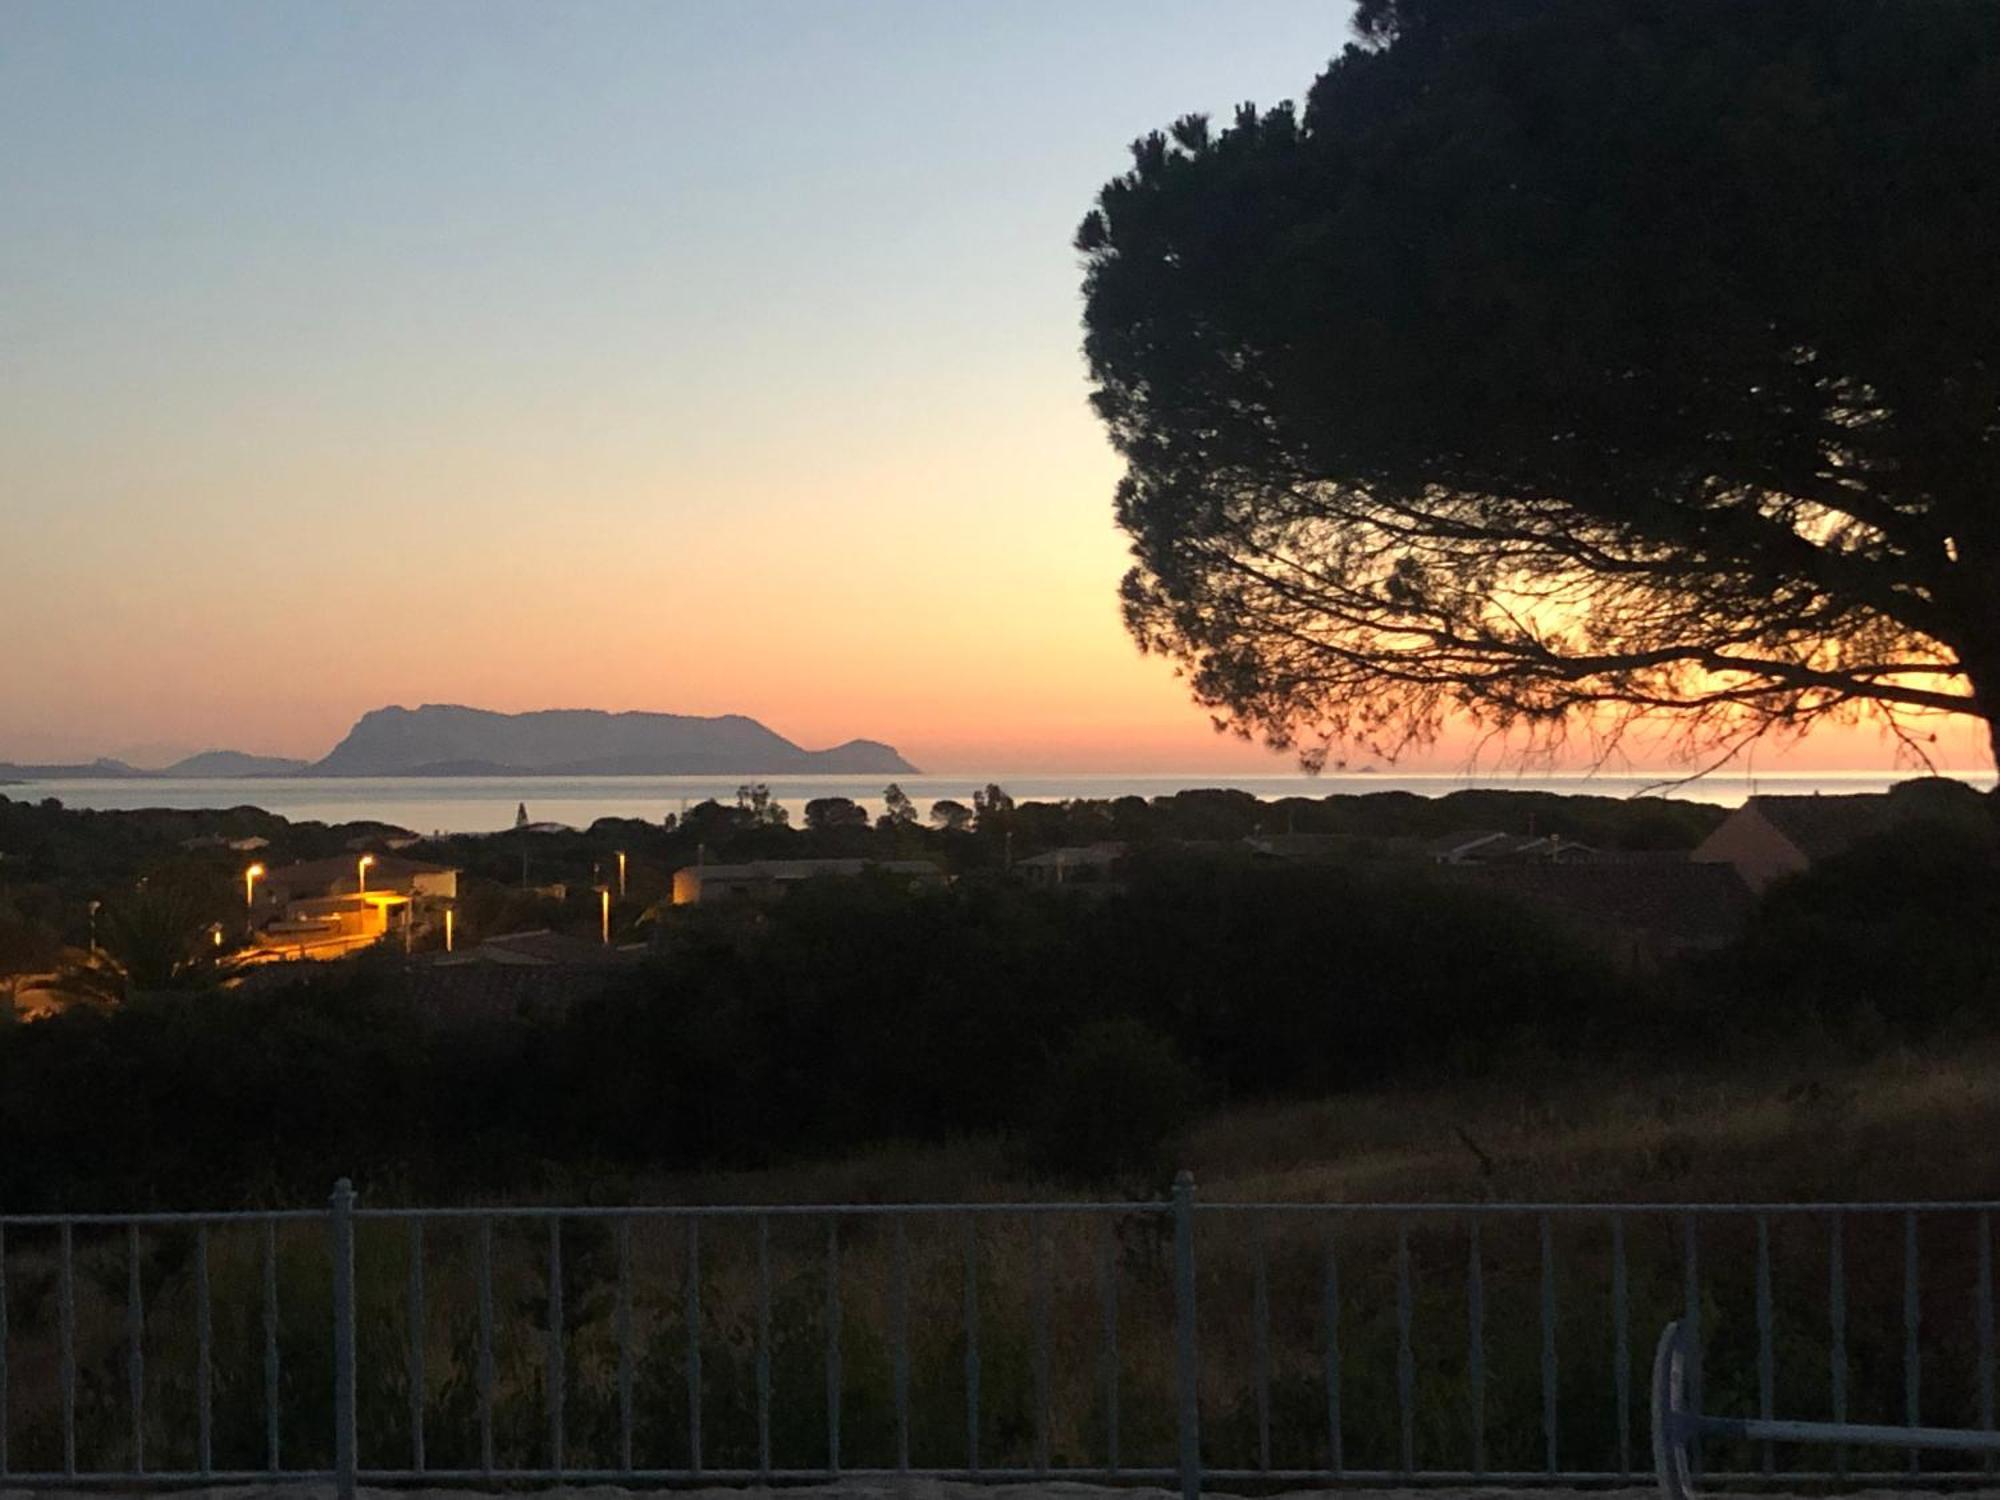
{"points": [[361, 873], [450, 914], [604, 911], [250, 878], [621, 874]]}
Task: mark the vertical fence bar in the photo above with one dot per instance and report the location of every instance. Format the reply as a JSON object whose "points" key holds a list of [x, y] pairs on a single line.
{"points": [[1550, 1394], [1406, 1363], [66, 1348], [416, 1320], [1912, 1356], [833, 1374], [1621, 1345], [1041, 1297], [1107, 1296], [691, 1293], [1836, 1317], [345, 1435], [1336, 1456], [1767, 1373], [204, 1356], [554, 1378], [135, 1347], [270, 1257], [1475, 1353], [1260, 1324], [764, 1345], [3, 1353], [1187, 1368], [1691, 1319], [1984, 1317], [485, 1291], [622, 1319], [972, 1344], [899, 1336]]}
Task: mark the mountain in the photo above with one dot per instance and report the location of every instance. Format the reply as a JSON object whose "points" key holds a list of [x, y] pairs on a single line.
{"points": [[101, 769], [447, 740], [234, 763]]}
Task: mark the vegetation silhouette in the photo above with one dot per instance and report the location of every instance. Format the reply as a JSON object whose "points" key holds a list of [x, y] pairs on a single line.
{"points": [[1566, 363]]}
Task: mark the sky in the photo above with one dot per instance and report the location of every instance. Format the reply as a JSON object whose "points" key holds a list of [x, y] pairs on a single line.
{"points": [[706, 356]]}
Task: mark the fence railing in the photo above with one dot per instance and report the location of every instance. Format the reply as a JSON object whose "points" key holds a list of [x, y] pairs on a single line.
{"points": [[1170, 1341]]}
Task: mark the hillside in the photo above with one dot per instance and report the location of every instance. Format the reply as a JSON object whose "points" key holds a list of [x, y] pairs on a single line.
{"points": [[448, 740], [235, 763]]}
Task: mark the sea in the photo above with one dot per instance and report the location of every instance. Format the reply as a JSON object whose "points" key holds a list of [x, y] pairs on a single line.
{"points": [[481, 804]]}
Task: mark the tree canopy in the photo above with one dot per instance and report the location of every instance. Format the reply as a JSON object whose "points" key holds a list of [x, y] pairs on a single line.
{"points": [[1566, 362]]}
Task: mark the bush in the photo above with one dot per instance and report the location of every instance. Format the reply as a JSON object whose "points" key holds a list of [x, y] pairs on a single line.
{"points": [[1117, 1097]]}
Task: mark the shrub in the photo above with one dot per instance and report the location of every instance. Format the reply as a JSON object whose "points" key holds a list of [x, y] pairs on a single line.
{"points": [[1117, 1096]]}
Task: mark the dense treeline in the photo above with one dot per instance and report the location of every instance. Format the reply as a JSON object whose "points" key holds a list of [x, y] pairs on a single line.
{"points": [[859, 1011], [55, 861]]}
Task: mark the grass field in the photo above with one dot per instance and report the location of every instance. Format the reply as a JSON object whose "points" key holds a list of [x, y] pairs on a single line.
{"points": [[1907, 1127]]}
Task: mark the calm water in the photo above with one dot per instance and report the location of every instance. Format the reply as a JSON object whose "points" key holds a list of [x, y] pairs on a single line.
{"points": [[477, 804]]}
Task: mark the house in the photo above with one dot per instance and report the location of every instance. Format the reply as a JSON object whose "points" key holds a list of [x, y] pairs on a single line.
{"points": [[1477, 846], [1088, 864], [768, 879], [328, 908], [540, 949], [204, 841], [1768, 837], [1301, 847]]}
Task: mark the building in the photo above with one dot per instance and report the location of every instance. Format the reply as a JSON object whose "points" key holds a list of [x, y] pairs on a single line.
{"points": [[204, 841], [1769, 837], [1087, 864], [768, 879], [1484, 846], [328, 908], [540, 949]]}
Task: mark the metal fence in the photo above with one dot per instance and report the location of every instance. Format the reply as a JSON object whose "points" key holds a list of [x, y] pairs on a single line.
{"points": [[1175, 1342]]}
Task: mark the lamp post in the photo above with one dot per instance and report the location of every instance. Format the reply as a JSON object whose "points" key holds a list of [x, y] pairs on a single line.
{"points": [[621, 874], [604, 912], [450, 914], [250, 878], [93, 927], [361, 874]]}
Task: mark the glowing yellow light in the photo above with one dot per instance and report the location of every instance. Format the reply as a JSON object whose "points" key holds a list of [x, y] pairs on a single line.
{"points": [[449, 914], [604, 908], [250, 878], [621, 874], [361, 873]]}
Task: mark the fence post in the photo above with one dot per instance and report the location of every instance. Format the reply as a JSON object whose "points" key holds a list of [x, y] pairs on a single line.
{"points": [[344, 1435], [1186, 1363]]}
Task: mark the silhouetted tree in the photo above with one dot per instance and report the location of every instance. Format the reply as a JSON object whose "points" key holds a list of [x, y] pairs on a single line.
{"points": [[765, 812], [713, 820], [990, 808], [1567, 361], [835, 812], [898, 811], [153, 939], [952, 816]]}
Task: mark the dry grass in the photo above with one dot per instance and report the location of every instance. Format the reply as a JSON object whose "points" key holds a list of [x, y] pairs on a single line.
{"points": [[1905, 1127]]}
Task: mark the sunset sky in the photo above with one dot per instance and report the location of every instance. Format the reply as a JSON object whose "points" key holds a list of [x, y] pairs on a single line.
{"points": [[695, 355]]}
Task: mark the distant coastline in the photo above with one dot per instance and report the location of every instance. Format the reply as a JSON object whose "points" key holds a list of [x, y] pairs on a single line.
{"points": [[448, 739]]}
